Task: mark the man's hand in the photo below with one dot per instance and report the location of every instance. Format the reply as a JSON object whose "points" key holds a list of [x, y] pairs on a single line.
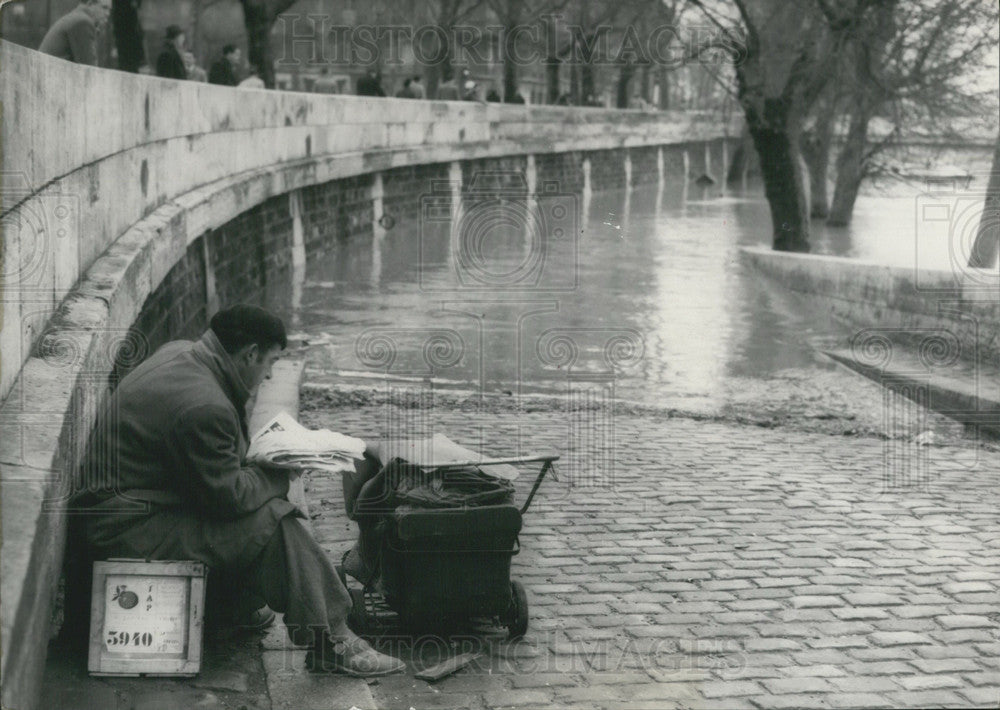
{"points": [[293, 470]]}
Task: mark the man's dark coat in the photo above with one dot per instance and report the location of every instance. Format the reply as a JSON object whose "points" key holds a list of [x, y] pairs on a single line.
{"points": [[170, 65], [170, 443], [222, 72]]}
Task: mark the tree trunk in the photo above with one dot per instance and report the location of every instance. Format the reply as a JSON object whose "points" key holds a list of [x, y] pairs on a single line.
{"points": [[741, 158], [986, 248], [587, 83], [664, 88], [509, 70], [259, 17], [574, 84], [128, 35], [432, 75], [776, 140], [624, 79], [850, 170], [511, 22], [816, 150], [552, 88]]}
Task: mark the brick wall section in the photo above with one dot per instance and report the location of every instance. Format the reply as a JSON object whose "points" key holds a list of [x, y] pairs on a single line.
{"points": [[492, 175], [673, 161], [335, 211], [644, 171], [250, 256], [696, 158], [607, 170], [565, 169], [404, 188], [176, 309]]}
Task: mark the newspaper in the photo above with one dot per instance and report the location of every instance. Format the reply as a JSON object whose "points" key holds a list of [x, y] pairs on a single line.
{"points": [[286, 443]]}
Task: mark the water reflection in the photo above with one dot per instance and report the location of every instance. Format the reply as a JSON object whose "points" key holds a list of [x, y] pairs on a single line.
{"points": [[648, 268]]}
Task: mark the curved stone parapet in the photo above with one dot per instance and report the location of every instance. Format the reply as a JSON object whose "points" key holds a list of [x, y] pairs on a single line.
{"points": [[109, 178]]}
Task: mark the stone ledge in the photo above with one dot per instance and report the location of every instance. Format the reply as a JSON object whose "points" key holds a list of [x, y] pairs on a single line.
{"points": [[886, 298]]}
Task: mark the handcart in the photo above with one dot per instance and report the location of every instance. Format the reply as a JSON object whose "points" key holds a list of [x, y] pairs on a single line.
{"points": [[438, 568]]}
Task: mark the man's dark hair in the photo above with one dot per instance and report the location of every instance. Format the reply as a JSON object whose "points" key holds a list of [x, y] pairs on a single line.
{"points": [[228, 49], [416, 77], [407, 82], [173, 32], [242, 325]]}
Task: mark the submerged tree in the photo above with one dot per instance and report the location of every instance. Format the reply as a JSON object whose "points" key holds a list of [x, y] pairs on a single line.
{"points": [[907, 64], [780, 52]]}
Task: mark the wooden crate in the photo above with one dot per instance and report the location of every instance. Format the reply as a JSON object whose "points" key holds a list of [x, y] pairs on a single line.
{"points": [[146, 618]]}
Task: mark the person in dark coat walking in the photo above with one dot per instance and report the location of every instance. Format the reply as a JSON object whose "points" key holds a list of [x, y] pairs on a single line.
{"points": [[223, 70], [167, 480], [371, 84], [74, 35], [170, 63], [406, 92]]}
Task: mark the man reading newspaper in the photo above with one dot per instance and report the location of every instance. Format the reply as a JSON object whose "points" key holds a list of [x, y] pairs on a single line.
{"points": [[168, 479]]}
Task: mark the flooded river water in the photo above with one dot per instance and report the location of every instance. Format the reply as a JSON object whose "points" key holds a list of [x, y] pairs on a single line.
{"points": [[650, 303]]}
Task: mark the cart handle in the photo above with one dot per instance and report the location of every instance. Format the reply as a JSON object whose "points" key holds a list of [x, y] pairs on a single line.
{"points": [[491, 462], [550, 463]]}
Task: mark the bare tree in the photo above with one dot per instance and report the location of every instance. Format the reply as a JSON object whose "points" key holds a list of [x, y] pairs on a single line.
{"points": [[445, 15], [907, 63], [517, 17], [779, 51], [259, 17]]}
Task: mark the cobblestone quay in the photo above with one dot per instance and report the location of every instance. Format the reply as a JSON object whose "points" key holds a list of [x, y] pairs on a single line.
{"points": [[706, 564]]}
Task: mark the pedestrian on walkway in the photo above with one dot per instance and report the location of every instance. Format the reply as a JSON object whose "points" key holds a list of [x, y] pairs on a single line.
{"points": [[406, 92], [170, 63], [194, 72], [451, 90], [417, 87], [253, 81], [223, 70], [371, 84], [74, 35], [166, 479]]}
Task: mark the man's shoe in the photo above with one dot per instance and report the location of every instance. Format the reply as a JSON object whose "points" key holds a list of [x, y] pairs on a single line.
{"points": [[351, 656], [257, 620]]}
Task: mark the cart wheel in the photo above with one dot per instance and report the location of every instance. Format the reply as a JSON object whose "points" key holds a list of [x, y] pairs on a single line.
{"points": [[517, 624]]}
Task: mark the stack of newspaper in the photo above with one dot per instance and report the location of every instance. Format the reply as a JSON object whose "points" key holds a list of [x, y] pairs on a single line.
{"points": [[286, 443]]}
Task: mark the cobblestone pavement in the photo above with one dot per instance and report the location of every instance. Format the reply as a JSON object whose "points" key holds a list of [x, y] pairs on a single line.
{"points": [[681, 563]]}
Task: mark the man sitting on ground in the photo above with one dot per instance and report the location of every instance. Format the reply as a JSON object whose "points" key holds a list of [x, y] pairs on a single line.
{"points": [[165, 465]]}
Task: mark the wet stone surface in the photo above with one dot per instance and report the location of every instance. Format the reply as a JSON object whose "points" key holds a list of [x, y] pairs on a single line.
{"points": [[712, 564]]}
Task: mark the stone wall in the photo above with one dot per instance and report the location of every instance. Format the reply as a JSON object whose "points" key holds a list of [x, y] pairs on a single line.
{"points": [[963, 303]]}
